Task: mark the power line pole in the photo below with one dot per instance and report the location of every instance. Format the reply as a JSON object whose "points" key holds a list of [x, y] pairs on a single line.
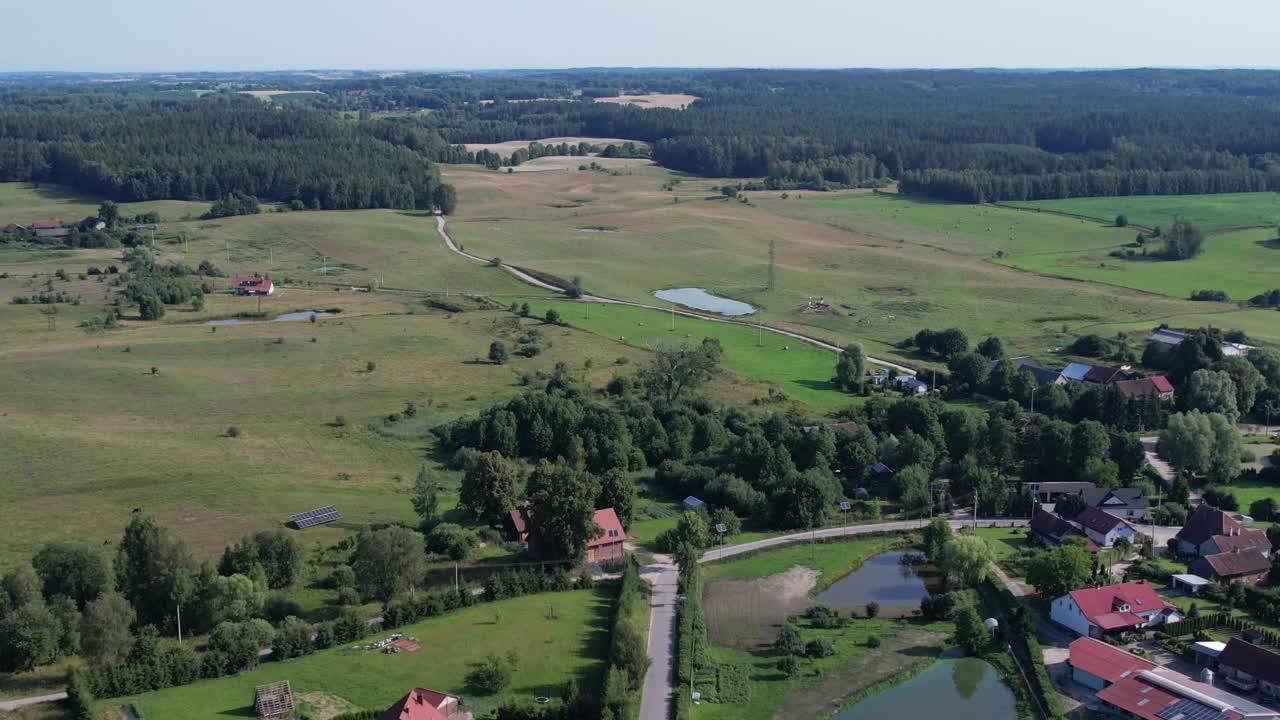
{"points": [[975, 510], [179, 622]]}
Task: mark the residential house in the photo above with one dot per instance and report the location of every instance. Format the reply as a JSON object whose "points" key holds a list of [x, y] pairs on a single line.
{"points": [[50, 228], [1105, 375], [1103, 528], [1203, 532], [1125, 503], [604, 548], [1049, 530], [13, 228], [1076, 371], [423, 704], [1249, 667], [1097, 665], [253, 286], [1042, 375], [1157, 386], [1243, 539], [1097, 612], [911, 384], [1162, 694], [1049, 492], [1247, 566]]}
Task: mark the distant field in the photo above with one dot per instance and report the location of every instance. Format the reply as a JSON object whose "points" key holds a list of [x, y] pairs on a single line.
{"points": [[22, 203], [675, 101], [267, 94], [1211, 212], [551, 652], [506, 148], [571, 163]]}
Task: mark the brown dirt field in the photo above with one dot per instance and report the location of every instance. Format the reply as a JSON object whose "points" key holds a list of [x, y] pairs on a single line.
{"points": [[269, 93], [673, 101], [746, 614], [899, 653], [506, 148]]}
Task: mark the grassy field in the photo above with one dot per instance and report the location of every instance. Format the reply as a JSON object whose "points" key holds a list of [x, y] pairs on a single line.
{"points": [[1212, 212], [1004, 542], [832, 560], [574, 645], [22, 203]]}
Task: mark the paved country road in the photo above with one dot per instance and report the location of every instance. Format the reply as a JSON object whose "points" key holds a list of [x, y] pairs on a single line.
{"points": [[659, 679], [530, 279], [10, 705]]}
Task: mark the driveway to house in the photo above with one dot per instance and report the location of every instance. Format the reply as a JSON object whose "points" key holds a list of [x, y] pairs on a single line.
{"points": [[11, 705], [659, 679], [1154, 460], [530, 279]]}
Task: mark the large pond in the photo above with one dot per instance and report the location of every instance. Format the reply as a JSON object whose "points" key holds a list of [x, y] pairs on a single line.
{"points": [[286, 317], [884, 579], [700, 299], [957, 689]]}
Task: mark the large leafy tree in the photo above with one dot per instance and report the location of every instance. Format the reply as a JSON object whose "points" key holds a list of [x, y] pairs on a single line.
{"points": [[966, 560], [489, 487], [153, 571], [678, 368], [388, 562], [75, 570], [850, 366], [104, 628], [1211, 391], [1060, 570], [562, 502], [618, 491]]}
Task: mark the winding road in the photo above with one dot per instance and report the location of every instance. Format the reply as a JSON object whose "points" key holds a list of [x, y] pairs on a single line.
{"points": [[441, 222]]}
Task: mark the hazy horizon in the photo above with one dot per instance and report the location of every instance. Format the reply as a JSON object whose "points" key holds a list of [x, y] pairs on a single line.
{"points": [[147, 36]]}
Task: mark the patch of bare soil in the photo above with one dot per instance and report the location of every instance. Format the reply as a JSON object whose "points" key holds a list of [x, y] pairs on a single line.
{"points": [[325, 706], [675, 101], [900, 653], [746, 614]]}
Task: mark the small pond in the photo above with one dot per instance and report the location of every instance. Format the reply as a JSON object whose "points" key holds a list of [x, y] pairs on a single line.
{"points": [[884, 579], [954, 688], [287, 317], [700, 299]]}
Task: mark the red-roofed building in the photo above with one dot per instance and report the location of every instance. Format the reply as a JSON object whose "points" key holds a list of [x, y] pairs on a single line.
{"points": [[13, 228], [1161, 694], [253, 286], [1096, 664], [50, 228], [1157, 387], [1247, 566], [1103, 528], [603, 548], [1095, 612], [422, 704]]}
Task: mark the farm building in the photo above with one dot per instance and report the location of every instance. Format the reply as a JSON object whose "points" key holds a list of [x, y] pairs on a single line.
{"points": [[1247, 566], [1103, 375], [1076, 371], [1156, 386], [1097, 612], [1049, 492], [423, 704], [1175, 337], [253, 286], [693, 503], [1188, 583], [911, 384], [1103, 528], [1096, 664], [1249, 667], [1042, 375], [13, 228], [1209, 531], [273, 701], [1161, 694], [50, 228]]}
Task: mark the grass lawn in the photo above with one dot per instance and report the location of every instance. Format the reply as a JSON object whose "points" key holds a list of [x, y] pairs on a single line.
{"points": [[23, 203], [1004, 542], [1212, 212], [551, 652], [833, 559]]}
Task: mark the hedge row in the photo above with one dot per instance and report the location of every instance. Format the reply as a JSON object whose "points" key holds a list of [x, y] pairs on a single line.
{"points": [[1023, 632], [691, 639], [629, 648], [500, 586]]}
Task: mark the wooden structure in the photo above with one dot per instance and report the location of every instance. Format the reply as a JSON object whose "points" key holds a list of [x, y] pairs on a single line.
{"points": [[273, 701]]}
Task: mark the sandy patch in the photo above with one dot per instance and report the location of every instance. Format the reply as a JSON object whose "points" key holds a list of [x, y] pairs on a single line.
{"points": [[746, 614], [269, 93], [506, 148], [324, 706], [675, 101]]}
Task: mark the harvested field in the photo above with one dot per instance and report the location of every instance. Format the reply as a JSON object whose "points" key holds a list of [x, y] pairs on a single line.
{"points": [[746, 614], [571, 163], [506, 148], [674, 101], [273, 93]]}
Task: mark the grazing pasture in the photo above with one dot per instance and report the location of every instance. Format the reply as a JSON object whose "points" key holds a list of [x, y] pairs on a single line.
{"points": [[1214, 213], [22, 203]]}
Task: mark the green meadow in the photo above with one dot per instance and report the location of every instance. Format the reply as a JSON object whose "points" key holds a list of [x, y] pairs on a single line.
{"points": [[1214, 213]]}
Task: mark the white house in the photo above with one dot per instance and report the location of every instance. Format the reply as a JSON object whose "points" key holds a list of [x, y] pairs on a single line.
{"points": [[1095, 612], [1103, 528]]}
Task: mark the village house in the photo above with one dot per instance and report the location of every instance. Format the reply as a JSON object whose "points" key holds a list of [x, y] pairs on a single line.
{"points": [[1049, 531], [1126, 503], [911, 384], [1048, 493], [1247, 566], [50, 228], [1043, 376], [1250, 667], [1103, 528], [13, 228], [605, 548], [1076, 371], [1162, 694], [1097, 612], [1103, 375], [1097, 665], [253, 286], [1157, 386], [1209, 531], [423, 704]]}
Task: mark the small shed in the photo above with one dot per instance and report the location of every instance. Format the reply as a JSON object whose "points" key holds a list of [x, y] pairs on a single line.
{"points": [[1206, 653], [693, 503], [1191, 584], [274, 700]]}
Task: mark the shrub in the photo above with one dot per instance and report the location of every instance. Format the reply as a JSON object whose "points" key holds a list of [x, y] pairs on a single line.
{"points": [[822, 616], [348, 596], [233, 432], [819, 648], [873, 641], [489, 676], [873, 609], [1210, 296], [789, 665]]}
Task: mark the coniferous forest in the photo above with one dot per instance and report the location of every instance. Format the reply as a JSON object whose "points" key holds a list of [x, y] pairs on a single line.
{"points": [[370, 141]]}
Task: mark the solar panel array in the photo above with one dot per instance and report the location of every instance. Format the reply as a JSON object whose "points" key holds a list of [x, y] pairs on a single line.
{"points": [[319, 516], [1190, 710]]}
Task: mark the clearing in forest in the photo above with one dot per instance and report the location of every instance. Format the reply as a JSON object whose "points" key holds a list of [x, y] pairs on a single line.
{"points": [[673, 101]]}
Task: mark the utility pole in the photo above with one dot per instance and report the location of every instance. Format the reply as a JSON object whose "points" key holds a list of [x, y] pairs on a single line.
{"points": [[673, 317], [455, 576], [179, 622], [975, 510], [1033, 399]]}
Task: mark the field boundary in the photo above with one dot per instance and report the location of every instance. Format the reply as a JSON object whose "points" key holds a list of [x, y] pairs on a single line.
{"points": [[1104, 223]]}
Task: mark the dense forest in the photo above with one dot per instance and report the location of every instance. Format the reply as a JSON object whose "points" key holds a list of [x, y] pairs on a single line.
{"points": [[368, 141]]}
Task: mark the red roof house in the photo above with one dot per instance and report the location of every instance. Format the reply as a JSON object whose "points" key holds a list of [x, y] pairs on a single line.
{"points": [[603, 548], [1096, 664], [1247, 566], [1161, 694], [1209, 531], [1104, 528], [1095, 612], [253, 286], [1157, 386], [422, 704], [50, 228], [13, 228]]}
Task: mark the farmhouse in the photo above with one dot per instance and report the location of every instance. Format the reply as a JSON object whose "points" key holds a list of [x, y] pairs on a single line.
{"points": [[1049, 492], [253, 286], [1103, 375], [1247, 566], [1169, 337], [1103, 528], [1049, 530], [423, 704], [1157, 386], [50, 228], [1096, 612], [1097, 665], [603, 548], [13, 228], [1042, 375], [911, 384], [1126, 503], [1209, 531], [1076, 371], [1247, 666], [1161, 694]]}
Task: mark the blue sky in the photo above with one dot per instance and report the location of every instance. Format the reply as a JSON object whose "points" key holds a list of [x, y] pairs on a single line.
{"points": [[150, 35]]}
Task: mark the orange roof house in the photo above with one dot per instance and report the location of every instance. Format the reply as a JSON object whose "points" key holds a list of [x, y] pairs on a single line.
{"points": [[422, 704]]}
